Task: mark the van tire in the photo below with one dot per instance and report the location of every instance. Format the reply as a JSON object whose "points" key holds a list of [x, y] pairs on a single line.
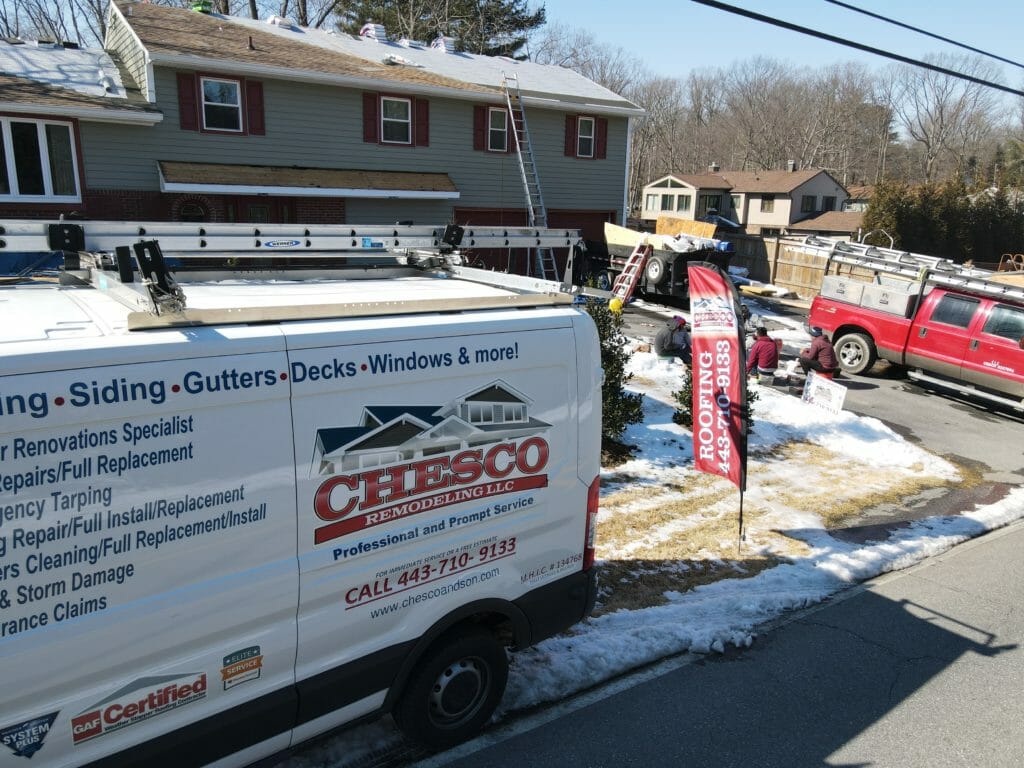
{"points": [[454, 688], [855, 352]]}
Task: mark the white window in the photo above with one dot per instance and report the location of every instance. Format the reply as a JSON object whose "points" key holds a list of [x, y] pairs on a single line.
{"points": [[37, 161], [683, 203], [668, 202], [651, 203], [395, 120], [497, 130], [222, 105], [585, 137]]}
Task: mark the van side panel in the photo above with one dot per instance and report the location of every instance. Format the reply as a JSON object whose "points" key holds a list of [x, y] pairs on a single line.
{"points": [[148, 573], [436, 466]]}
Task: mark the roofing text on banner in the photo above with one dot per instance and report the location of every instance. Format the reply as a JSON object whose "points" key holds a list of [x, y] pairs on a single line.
{"points": [[719, 383]]}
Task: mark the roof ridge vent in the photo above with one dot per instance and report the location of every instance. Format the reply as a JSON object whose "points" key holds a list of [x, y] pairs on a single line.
{"points": [[406, 42], [443, 43], [373, 31]]}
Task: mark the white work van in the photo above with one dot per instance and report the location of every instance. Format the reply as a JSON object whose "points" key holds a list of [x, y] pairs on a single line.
{"points": [[226, 528]]}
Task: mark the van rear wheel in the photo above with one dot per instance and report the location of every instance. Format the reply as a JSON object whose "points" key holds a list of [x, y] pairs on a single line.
{"points": [[856, 352], [454, 690]]}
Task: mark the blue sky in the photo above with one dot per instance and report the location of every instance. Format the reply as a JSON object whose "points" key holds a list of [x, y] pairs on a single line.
{"points": [[674, 37]]}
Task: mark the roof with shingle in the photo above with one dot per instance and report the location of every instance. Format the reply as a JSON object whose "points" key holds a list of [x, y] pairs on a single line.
{"points": [[55, 77], [767, 182], [179, 32], [830, 221]]}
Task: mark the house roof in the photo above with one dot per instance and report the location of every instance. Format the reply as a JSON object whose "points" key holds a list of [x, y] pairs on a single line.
{"points": [[83, 83], [830, 221], [185, 38], [254, 179], [860, 191], [755, 182], [703, 180]]}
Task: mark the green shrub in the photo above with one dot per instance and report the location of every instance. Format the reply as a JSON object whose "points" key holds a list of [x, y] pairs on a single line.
{"points": [[619, 408]]}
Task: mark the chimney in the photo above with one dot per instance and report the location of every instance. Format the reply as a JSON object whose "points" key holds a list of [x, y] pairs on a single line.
{"points": [[714, 167], [791, 166]]}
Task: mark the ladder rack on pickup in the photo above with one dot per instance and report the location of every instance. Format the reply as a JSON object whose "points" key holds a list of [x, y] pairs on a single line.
{"points": [[915, 267], [129, 263]]}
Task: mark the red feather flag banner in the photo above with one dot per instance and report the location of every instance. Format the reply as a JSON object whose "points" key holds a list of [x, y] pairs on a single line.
{"points": [[719, 377]]}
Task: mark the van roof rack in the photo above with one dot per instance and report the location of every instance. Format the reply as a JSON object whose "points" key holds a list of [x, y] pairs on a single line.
{"points": [[148, 267]]}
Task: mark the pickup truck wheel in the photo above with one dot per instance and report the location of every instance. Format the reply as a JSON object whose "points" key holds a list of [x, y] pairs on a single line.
{"points": [[454, 690], [856, 352]]}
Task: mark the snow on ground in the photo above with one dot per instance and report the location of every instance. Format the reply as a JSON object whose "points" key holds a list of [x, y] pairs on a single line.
{"points": [[728, 611]]}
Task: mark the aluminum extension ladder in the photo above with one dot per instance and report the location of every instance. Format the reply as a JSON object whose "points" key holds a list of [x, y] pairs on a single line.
{"points": [[537, 215]]}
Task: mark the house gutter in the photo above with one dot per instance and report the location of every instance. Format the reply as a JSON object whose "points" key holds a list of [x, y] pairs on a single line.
{"points": [[124, 117]]}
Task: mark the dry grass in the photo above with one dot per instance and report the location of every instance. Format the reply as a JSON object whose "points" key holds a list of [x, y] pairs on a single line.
{"points": [[665, 538]]}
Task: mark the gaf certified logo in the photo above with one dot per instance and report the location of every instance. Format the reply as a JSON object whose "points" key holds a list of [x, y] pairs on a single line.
{"points": [[25, 739], [140, 700]]}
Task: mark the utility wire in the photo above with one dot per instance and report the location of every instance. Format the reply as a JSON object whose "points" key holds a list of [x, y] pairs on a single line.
{"points": [[923, 32], [858, 46]]}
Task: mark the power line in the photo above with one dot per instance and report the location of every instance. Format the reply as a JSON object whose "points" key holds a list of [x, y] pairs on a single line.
{"points": [[858, 46], [923, 32]]}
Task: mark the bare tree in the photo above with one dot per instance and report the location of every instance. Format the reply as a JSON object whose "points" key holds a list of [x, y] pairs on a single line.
{"points": [[945, 116]]}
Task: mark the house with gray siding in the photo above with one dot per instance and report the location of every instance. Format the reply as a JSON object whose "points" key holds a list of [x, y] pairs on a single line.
{"points": [[216, 118]]}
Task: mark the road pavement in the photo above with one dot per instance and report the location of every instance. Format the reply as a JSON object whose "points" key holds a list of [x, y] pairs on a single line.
{"points": [[922, 668]]}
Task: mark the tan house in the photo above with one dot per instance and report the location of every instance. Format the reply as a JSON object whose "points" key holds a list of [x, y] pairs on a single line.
{"points": [[761, 202]]}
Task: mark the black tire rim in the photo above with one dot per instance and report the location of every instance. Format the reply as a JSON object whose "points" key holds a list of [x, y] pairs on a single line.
{"points": [[459, 692]]}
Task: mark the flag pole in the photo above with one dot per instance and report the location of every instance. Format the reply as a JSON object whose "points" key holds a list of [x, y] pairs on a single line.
{"points": [[741, 532]]}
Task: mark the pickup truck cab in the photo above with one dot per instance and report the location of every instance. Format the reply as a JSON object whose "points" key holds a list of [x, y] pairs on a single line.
{"points": [[958, 330]]}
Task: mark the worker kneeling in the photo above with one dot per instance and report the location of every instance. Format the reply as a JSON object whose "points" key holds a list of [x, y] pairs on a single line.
{"points": [[674, 340], [763, 357]]}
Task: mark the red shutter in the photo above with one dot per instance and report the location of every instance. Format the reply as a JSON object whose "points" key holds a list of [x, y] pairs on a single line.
{"points": [[601, 143], [188, 113], [370, 120], [421, 126], [510, 146], [570, 135], [254, 107], [480, 128]]}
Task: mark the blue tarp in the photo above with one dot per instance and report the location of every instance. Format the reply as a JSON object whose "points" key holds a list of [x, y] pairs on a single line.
{"points": [[29, 263]]}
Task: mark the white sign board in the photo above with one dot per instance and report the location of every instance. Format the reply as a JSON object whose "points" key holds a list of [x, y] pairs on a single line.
{"points": [[824, 393]]}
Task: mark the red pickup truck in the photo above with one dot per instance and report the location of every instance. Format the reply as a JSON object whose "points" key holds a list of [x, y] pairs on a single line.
{"points": [[957, 327]]}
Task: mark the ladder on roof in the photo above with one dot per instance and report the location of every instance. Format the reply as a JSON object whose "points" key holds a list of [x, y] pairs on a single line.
{"points": [[537, 215], [916, 267], [626, 281]]}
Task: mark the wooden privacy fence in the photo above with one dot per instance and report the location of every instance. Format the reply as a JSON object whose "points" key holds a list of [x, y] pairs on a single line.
{"points": [[782, 262]]}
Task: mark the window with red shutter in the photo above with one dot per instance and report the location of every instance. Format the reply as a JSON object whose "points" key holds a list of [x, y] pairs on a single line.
{"points": [[254, 107], [370, 121], [188, 114], [421, 126]]}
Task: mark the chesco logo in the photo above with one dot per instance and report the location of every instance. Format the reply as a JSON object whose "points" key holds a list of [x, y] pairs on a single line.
{"points": [[128, 707], [352, 502]]}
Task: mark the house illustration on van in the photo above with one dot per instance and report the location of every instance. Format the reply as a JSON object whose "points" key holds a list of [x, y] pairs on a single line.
{"points": [[388, 434]]}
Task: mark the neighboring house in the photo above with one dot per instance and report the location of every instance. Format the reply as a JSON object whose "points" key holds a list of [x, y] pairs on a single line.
{"points": [[187, 116], [762, 202]]}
